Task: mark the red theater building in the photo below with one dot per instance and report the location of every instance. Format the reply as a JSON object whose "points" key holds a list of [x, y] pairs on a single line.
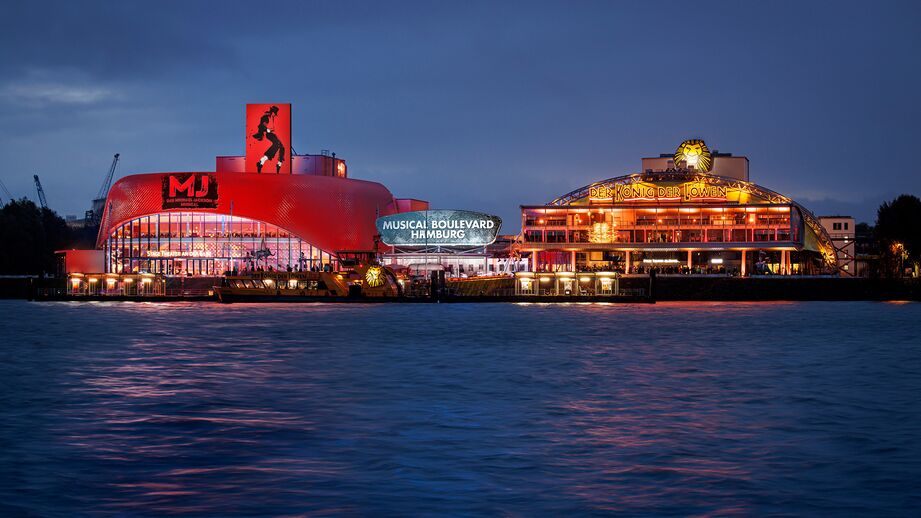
{"points": [[689, 212], [297, 213]]}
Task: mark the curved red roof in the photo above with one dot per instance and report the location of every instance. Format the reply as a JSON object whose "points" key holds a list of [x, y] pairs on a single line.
{"points": [[328, 212]]}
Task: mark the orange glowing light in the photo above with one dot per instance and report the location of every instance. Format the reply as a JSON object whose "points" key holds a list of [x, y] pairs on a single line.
{"points": [[695, 153], [374, 276]]}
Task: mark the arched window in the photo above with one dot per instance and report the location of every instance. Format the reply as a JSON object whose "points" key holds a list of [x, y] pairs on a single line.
{"points": [[200, 243]]}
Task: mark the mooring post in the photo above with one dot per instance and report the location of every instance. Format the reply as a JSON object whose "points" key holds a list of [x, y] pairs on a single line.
{"points": [[652, 284]]}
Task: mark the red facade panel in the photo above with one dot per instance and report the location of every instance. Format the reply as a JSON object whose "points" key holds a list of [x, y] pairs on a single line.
{"points": [[83, 261], [319, 165], [410, 205], [330, 213]]}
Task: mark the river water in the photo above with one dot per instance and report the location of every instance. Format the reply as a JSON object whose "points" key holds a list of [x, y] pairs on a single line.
{"points": [[137, 409]]}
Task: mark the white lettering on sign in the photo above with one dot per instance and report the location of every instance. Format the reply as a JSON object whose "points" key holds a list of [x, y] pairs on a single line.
{"points": [[438, 227], [438, 224]]}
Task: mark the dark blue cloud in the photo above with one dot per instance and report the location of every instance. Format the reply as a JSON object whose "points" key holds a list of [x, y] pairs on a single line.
{"points": [[480, 105]]}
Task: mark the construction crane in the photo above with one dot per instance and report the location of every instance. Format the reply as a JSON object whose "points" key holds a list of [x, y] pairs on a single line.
{"points": [[94, 215], [40, 191], [6, 191]]}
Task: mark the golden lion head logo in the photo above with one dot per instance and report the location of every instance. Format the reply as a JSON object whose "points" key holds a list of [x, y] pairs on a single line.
{"points": [[374, 276], [696, 154]]}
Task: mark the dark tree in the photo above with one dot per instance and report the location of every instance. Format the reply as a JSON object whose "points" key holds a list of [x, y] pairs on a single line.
{"points": [[898, 229], [30, 235]]}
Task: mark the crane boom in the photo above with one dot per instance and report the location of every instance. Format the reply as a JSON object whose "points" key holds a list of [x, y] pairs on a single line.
{"points": [[107, 182], [94, 215], [40, 191], [6, 191]]}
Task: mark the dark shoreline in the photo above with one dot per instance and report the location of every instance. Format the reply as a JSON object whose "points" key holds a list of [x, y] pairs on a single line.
{"points": [[690, 288], [668, 288]]}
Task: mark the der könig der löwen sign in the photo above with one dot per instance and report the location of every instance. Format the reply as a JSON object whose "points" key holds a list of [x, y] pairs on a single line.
{"points": [[439, 227]]}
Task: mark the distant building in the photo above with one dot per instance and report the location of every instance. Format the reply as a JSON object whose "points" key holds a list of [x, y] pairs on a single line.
{"points": [[842, 231], [866, 256], [724, 164]]}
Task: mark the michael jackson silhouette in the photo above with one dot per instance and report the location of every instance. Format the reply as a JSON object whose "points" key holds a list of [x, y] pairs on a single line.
{"points": [[266, 125]]}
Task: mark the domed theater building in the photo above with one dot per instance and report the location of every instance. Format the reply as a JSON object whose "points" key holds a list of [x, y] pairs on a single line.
{"points": [[689, 212], [280, 212]]}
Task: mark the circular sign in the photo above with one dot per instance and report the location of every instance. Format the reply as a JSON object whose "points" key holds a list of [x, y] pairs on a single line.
{"points": [[696, 154], [374, 276]]}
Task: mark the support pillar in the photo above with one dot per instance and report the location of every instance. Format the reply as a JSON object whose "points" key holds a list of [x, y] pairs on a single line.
{"points": [[690, 261], [627, 262], [534, 261], [572, 261], [743, 263]]}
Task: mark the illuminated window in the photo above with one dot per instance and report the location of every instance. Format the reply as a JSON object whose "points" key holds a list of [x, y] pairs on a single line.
{"points": [[196, 243]]}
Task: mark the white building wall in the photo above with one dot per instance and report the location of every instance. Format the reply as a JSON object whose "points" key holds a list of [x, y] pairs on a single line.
{"points": [[842, 233]]}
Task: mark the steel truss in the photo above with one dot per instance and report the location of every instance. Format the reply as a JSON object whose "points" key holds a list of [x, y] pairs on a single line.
{"points": [[826, 246]]}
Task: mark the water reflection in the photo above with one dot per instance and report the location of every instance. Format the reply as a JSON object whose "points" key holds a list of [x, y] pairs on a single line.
{"points": [[677, 408]]}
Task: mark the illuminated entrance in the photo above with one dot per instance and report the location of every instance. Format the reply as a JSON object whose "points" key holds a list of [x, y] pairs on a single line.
{"points": [[198, 243]]}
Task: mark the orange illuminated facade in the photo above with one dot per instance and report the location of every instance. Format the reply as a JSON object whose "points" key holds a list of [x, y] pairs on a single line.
{"points": [[676, 221]]}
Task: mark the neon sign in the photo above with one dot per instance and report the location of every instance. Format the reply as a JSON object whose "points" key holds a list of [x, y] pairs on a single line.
{"points": [[690, 191], [190, 191]]}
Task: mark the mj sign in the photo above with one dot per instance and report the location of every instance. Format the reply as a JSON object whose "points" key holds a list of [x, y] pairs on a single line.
{"points": [[189, 191], [439, 228]]}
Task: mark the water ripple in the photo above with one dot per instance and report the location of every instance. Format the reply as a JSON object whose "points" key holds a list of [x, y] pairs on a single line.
{"points": [[515, 409]]}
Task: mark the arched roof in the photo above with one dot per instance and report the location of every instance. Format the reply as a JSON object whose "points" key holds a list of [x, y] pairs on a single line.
{"points": [[753, 193], [330, 213]]}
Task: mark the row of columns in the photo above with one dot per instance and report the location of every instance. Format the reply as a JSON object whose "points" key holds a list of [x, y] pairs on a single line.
{"points": [[786, 262]]}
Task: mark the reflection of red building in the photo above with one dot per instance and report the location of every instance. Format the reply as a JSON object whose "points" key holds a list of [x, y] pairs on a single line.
{"points": [[207, 223]]}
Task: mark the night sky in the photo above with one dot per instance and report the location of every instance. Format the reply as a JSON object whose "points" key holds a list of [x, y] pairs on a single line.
{"points": [[474, 105]]}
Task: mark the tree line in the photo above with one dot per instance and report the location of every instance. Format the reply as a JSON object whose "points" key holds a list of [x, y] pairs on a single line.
{"points": [[30, 235], [896, 237]]}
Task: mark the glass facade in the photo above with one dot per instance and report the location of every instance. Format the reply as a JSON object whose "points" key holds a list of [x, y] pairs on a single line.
{"points": [[703, 239], [679, 225], [198, 243]]}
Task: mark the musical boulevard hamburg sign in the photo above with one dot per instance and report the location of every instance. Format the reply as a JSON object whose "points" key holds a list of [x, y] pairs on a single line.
{"points": [[439, 228]]}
